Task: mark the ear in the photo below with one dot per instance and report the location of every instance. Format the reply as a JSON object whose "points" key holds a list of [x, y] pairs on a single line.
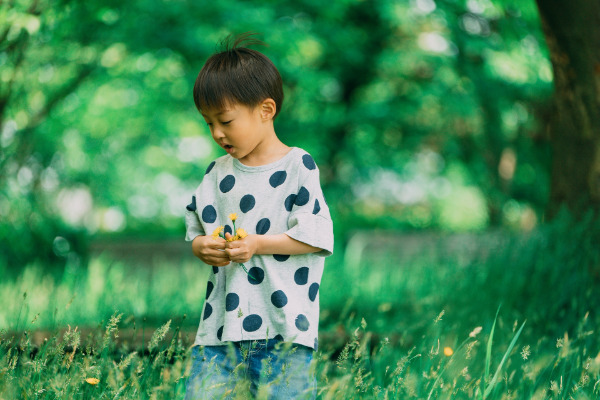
{"points": [[267, 109]]}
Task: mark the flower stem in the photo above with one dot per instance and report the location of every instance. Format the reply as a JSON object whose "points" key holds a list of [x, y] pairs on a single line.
{"points": [[249, 274]]}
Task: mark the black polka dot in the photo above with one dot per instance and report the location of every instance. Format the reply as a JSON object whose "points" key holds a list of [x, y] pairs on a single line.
{"points": [[209, 288], [301, 276], [279, 299], [317, 207], [303, 197], [302, 323], [257, 273], [281, 257], [308, 162], [263, 226], [252, 323], [192, 205], [209, 214], [227, 229], [210, 167], [247, 203], [277, 178], [207, 311], [279, 338], [220, 332], [215, 269], [227, 183], [232, 301], [316, 346], [312, 291], [289, 202]]}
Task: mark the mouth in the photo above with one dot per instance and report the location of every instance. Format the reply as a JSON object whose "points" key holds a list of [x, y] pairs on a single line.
{"points": [[228, 148]]}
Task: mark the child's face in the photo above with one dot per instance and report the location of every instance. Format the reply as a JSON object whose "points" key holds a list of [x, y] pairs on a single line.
{"points": [[236, 128]]}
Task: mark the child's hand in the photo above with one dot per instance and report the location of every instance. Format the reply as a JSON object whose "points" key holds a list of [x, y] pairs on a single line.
{"points": [[240, 251], [210, 251]]}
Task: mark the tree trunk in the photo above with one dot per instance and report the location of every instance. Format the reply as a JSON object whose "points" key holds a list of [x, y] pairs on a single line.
{"points": [[572, 31]]}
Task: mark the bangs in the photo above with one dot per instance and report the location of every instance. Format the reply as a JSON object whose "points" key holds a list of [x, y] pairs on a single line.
{"points": [[214, 93], [225, 81]]}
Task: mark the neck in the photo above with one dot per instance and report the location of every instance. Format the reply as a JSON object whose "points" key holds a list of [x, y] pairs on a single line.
{"points": [[268, 150]]}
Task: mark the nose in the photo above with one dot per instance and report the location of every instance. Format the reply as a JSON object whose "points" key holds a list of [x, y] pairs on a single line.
{"points": [[217, 133]]}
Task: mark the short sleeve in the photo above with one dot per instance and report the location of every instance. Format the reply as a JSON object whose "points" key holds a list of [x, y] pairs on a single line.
{"points": [[193, 227], [309, 220]]}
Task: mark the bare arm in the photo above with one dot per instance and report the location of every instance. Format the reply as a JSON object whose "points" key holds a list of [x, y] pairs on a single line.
{"points": [[282, 244], [241, 251]]}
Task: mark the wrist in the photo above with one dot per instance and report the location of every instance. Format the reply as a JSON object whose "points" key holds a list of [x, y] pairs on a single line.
{"points": [[258, 242]]}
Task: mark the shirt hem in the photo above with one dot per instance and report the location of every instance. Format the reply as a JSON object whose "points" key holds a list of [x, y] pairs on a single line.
{"points": [[308, 342]]}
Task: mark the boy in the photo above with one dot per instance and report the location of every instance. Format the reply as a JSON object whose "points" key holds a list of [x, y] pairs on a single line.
{"points": [[267, 318]]}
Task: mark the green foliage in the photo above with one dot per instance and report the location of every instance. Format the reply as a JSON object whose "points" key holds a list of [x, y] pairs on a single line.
{"points": [[368, 367], [99, 134], [64, 368], [84, 296], [491, 385], [376, 336], [547, 276]]}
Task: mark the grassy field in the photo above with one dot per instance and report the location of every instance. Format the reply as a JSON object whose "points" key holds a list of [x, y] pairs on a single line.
{"points": [[430, 329]]}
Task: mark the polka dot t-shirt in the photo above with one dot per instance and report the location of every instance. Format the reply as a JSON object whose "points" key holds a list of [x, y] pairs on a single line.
{"points": [[283, 293]]}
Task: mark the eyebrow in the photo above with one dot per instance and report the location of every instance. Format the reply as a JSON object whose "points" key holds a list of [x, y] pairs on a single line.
{"points": [[219, 113]]}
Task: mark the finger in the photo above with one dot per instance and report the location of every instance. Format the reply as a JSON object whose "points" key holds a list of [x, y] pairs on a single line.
{"points": [[228, 235], [231, 252], [232, 245], [215, 254], [239, 257], [219, 243], [219, 262], [218, 254]]}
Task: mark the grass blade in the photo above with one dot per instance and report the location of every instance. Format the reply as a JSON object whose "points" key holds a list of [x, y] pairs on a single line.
{"points": [[488, 354], [512, 344]]}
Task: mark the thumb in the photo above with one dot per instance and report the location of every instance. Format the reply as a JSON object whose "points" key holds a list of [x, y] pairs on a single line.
{"points": [[228, 235]]}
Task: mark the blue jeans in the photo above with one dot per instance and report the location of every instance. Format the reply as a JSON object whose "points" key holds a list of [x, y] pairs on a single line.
{"points": [[277, 370]]}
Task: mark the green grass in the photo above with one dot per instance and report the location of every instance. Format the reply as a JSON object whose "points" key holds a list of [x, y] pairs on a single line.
{"points": [[437, 367], [428, 329]]}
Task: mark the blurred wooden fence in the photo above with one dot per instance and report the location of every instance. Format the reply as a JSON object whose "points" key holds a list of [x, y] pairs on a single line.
{"points": [[362, 246], [464, 248], [144, 251]]}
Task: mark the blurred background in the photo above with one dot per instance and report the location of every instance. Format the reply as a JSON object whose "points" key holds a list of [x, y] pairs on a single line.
{"points": [[456, 140]]}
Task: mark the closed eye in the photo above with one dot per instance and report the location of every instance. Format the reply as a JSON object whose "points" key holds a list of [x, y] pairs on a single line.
{"points": [[224, 123]]}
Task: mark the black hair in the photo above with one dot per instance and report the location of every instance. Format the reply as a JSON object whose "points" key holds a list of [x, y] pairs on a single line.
{"points": [[238, 75]]}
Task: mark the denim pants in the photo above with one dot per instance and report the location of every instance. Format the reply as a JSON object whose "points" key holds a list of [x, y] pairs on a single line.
{"points": [[252, 368]]}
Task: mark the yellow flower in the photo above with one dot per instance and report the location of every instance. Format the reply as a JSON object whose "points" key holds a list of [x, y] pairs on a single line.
{"points": [[241, 233], [233, 216], [92, 381], [217, 231]]}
